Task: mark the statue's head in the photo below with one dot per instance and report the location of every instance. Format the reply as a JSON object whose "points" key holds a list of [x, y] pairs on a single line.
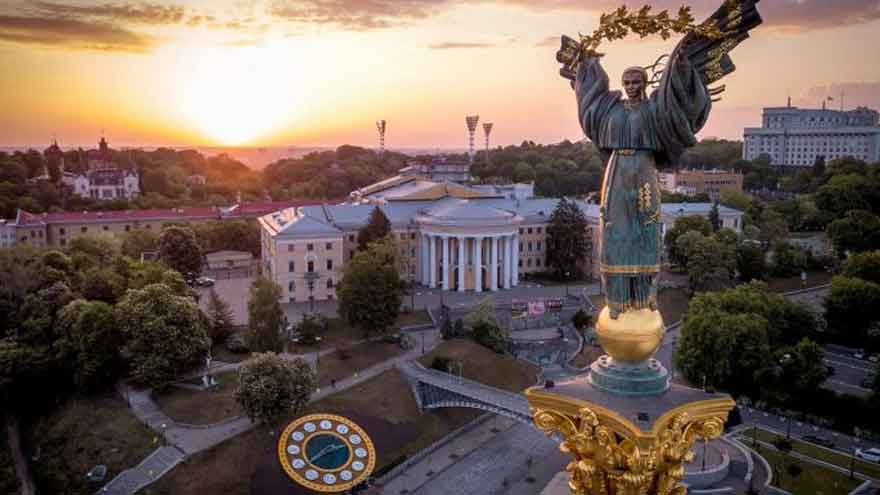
{"points": [[635, 83]]}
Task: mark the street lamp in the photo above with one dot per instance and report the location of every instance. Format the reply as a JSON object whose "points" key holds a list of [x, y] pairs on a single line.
{"points": [[852, 459], [311, 278], [567, 280]]}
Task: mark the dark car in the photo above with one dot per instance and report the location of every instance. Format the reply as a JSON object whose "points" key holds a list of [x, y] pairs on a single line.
{"points": [[819, 441]]}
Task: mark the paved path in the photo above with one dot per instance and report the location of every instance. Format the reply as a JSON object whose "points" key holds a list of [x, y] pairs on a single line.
{"points": [[149, 470]]}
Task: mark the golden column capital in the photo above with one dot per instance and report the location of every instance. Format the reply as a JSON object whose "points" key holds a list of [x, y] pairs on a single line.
{"points": [[613, 456]]}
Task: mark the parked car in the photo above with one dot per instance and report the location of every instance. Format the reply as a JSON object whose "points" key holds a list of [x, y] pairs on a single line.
{"points": [[205, 282], [870, 455], [859, 354], [819, 441], [875, 358]]}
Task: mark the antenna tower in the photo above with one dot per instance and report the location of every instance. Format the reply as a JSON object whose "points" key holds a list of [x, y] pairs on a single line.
{"points": [[472, 121], [487, 129], [381, 125]]}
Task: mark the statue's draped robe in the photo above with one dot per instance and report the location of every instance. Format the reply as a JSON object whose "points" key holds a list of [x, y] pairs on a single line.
{"points": [[634, 140]]}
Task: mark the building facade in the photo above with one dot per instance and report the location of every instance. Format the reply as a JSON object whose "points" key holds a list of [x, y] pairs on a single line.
{"points": [[448, 243], [693, 182], [797, 137], [56, 230]]}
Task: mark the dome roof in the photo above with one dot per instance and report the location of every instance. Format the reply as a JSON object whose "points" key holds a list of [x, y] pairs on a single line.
{"points": [[468, 210]]}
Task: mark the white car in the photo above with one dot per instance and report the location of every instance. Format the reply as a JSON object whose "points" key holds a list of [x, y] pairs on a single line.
{"points": [[870, 455], [860, 354]]}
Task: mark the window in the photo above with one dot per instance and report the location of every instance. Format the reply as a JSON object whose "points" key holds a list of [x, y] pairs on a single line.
{"points": [[86, 229], [40, 234], [412, 252], [539, 230], [538, 246], [291, 266], [402, 237], [310, 247], [412, 236], [529, 262], [290, 248], [538, 263], [329, 246], [128, 228], [520, 246], [351, 238], [351, 254], [61, 231], [63, 242], [530, 246], [520, 263], [520, 231], [106, 228], [329, 283], [329, 264], [148, 226], [530, 230], [291, 287], [311, 267]]}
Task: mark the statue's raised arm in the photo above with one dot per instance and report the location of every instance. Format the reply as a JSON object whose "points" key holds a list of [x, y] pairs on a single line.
{"points": [[593, 96]]}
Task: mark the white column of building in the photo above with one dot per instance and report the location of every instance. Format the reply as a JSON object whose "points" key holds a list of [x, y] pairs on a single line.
{"points": [[424, 259], [445, 263], [478, 264], [461, 263], [508, 256], [493, 264], [514, 278], [432, 262]]}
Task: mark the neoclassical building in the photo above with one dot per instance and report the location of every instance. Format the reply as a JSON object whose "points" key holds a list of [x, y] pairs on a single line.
{"points": [[448, 236]]}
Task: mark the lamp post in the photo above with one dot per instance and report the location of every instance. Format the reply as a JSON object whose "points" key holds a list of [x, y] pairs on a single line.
{"points": [[311, 278], [852, 460], [567, 280]]}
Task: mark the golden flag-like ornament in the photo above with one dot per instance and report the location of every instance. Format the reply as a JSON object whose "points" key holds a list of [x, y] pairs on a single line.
{"points": [[623, 22]]}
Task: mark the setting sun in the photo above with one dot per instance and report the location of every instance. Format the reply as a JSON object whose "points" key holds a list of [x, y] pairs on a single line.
{"points": [[236, 95]]}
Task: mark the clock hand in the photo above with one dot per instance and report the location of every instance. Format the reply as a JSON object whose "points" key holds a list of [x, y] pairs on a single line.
{"points": [[326, 450]]}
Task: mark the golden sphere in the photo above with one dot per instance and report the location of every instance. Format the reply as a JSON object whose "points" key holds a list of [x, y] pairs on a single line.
{"points": [[633, 337]]}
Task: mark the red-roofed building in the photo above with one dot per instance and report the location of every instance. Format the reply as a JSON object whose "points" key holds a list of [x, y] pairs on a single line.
{"points": [[58, 229]]}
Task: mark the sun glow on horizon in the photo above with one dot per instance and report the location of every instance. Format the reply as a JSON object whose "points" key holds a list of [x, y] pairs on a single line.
{"points": [[235, 95]]}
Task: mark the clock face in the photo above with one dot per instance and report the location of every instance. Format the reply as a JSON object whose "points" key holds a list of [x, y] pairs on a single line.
{"points": [[326, 453]]}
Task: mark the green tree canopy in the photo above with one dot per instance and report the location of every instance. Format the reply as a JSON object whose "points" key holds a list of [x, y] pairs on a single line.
{"points": [[371, 291], [715, 217], [270, 387], [857, 231], [851, 309], [865, 266], [139, 241], [179, 250], [220, 318], [683, 225], [265, 316], [92, 340], [376, 229], [164, 334], [566, 239]]}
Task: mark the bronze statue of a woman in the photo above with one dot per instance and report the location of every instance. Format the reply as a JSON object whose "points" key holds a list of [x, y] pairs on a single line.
{"points": [[637, 135]]}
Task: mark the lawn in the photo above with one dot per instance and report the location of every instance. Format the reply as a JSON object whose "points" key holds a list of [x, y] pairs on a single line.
{"points": [[814, 278], [231, 467], [831, 457], [201, 407], [813, 480], [340, 333], [81, 434], [485, 366], [345, 362]]}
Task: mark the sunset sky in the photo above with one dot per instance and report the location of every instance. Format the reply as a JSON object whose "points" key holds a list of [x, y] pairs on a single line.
{"points": [[321, 72]]}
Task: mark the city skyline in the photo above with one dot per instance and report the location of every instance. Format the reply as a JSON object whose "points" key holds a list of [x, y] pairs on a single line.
{"points": [[320, 73]]}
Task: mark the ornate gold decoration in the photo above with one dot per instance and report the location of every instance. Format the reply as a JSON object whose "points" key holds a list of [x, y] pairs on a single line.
{"points": [[613, 456], [622, 22], [633, 336], [294, 457]]}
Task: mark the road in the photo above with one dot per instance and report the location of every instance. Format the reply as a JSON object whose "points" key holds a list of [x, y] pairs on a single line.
{"points": [[849, 372]]}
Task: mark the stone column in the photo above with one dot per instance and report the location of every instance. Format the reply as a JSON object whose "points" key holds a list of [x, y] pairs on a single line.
{"points": [[461, 263], [508, 257], [493, 264], [445, 263], [478, 264], [514, 277], [423, 258], [432, 262]]}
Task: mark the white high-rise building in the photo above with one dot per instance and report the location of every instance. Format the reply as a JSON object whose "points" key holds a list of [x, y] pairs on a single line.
{"points": [[796, 137]]}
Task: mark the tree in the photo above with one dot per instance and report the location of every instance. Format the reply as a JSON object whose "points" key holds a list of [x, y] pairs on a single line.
{"points": [[709, 263], [715, 217], [139, 241], [787, 260], [376, 229], [858, 231], [270, 387], [851, 309], [865, 266], [179, 250], [773, 227], [750, 262], [104, 285], [309, 328], [737, 200], [265, 316], [489, 334], [220, 318], [483, 312], [371, 290], [566, 240], [91, 340], [164, 334], [819, 167], [683, 225]]}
